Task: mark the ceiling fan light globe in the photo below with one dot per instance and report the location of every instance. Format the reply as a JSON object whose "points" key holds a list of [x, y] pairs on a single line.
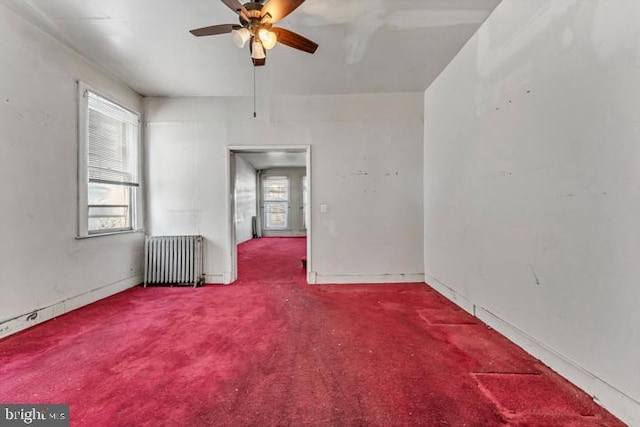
{"points": [[257, 51], [240, 37], [268, 38]]}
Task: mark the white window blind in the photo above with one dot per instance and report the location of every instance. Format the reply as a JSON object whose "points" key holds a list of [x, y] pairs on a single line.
{"points": [[112, 143]]}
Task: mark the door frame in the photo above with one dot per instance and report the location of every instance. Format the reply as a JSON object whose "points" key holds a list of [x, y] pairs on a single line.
{"points": [[232, 248]]}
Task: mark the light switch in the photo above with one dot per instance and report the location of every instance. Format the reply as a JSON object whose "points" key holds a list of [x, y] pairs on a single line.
{"points": [[323, 208]]}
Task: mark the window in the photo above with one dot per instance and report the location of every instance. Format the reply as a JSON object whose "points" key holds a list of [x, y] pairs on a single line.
{"points": [[108, 165], [276, 202]]}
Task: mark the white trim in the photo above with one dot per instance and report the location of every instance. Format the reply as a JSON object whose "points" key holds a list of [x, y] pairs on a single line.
{"points": [[84, 86], [217, 279], [83, 175], [283, 233], [312, 276], [328, 279], [137, 220], [308, 221], [43, 314], [616, 401], [232, 260], [112, 233], [451, 294]]}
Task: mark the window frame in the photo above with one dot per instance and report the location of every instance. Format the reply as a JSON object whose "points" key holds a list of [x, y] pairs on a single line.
{"points": [[135, 193], [266, 202]]}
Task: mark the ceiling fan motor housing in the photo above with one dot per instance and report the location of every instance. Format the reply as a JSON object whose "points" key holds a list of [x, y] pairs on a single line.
{"points": [[253, 13]]}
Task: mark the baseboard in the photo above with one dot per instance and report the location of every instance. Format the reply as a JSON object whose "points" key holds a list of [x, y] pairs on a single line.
{"points": [[39, 315], [284, 234], [326, 279], [217, 279], [312, 277], [616, 401], [451, 295]]}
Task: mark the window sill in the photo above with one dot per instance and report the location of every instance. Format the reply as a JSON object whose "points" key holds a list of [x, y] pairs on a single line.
{"points": [[112, 233]]}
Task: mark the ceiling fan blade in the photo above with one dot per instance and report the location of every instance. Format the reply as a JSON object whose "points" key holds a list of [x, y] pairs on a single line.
{"points": [[278, 9], [215, 29], [294, 40], [235, 5]]}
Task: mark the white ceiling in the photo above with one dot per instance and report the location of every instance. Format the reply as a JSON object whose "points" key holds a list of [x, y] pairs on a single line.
{"points": [[366, 46], [274, 159]]}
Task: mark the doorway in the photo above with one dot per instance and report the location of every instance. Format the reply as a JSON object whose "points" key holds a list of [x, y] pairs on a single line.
{"points": [[281, 193]]}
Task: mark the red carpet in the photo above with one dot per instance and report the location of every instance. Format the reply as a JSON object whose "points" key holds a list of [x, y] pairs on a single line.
{"points": [[273, 351]]}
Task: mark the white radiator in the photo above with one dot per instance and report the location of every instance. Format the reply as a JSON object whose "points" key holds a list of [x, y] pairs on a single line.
{"points": [[173, 260]]}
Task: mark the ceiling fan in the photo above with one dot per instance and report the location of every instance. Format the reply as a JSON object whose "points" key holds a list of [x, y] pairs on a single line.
{"points": [[256, 27]]}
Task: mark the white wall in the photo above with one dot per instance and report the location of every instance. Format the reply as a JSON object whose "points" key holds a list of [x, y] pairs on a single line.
{"points": [[245, 199], [42, 265], [532, 186], [366, 167]]}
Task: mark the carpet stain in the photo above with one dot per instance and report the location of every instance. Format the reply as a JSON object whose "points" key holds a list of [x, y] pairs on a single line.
{"points": [[557, 402], [446, 316]]}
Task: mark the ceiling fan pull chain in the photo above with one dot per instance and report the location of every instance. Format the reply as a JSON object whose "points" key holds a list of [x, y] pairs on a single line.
{"points": [[254, 93]]}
